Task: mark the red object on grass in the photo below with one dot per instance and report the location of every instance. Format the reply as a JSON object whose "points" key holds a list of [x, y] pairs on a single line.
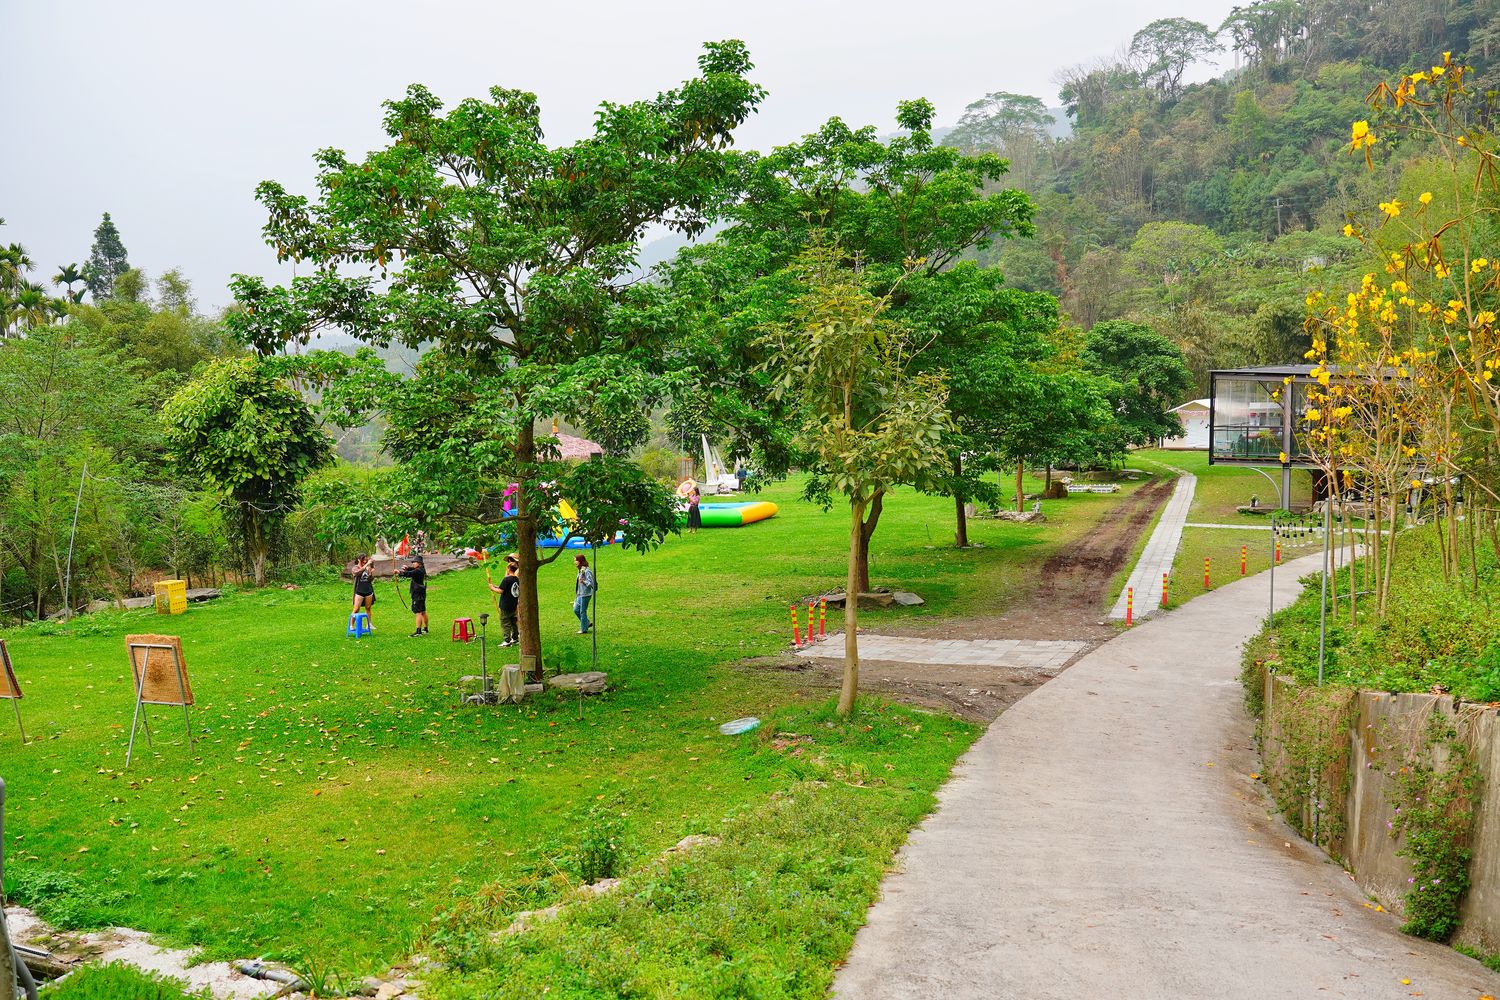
{"points": [[796, 633], [463, 629]]}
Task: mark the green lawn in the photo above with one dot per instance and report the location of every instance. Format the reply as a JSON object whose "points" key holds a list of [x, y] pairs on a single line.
{"points": [[339, 806], [1219, 491]]}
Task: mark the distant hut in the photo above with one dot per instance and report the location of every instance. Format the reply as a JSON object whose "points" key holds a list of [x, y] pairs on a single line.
{"points": [[577, 449]]}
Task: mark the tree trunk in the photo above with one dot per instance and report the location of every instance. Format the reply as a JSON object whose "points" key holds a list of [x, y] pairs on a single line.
{"points": [[862, 550], [858, 562], [527, 618], [1020, 488], [1047, 487], [961, 532], [255, 542]]}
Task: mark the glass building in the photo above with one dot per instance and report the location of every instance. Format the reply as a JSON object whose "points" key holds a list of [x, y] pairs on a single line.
{"points": [[1255, 418]]}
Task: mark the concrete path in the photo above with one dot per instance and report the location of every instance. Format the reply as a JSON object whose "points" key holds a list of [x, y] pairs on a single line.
{"points": [[1036, 654], [1104, 838], [1156, 558]]}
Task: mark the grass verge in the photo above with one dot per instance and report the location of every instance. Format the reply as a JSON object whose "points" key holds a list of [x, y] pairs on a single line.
{"points": [[337, 798], [1437, 632]]}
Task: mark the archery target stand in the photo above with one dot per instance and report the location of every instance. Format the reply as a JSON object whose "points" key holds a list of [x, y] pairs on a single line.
{"points": [[161, 678], [10, 688]]}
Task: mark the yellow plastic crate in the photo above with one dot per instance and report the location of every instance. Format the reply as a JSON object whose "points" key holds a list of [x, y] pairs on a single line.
{"points": [[171, 597]]}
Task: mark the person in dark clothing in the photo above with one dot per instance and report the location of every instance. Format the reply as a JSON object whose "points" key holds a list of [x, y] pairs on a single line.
{"points": [[509, 601], [364, 588], [416, 572]]}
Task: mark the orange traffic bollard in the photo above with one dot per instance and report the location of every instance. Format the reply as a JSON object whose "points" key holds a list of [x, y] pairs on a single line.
{"points": [[1205, 573], [1164, 590], [1278, 553], [812, 614], [1129, 604], [1242, 559], [796, 635], [822, 616]]}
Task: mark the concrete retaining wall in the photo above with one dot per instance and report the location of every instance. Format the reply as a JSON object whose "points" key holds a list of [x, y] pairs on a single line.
{"points": [[1363, 820]]}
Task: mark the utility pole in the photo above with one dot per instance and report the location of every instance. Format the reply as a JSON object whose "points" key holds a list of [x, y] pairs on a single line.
{"points": [[1278, 216], [73, 534]]}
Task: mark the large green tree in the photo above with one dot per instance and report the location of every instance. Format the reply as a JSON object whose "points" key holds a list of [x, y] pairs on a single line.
{"points": [[1149, 376], [64, 402], [107, 260], [905, 211], [842, 366], [514, 260], [243, 431]]}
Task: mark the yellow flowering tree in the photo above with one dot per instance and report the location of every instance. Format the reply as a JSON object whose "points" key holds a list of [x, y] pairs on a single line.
{"points": [[1405, 405]]}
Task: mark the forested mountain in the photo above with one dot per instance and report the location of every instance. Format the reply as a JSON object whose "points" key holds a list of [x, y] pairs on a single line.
{"points": [[1209, 210]]}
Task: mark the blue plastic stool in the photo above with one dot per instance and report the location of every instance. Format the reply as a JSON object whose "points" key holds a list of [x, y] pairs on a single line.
{"points": [[359, 624]]}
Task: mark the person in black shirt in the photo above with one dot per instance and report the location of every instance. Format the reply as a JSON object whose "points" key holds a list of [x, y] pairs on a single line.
{"points": [[364, 588], [416, 572], [510, 599]]}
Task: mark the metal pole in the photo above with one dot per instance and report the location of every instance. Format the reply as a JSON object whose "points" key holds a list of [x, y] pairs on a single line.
{"points": [[594, 630], [13, 972], [68, 576], [1323, 597], [1271, 610]]}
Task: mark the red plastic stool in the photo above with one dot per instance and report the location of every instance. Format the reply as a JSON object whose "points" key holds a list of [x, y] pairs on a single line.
{"points": [[463, 629]]}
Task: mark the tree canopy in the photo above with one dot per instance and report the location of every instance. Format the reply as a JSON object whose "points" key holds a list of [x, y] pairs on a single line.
{"points": [[513, 260]]}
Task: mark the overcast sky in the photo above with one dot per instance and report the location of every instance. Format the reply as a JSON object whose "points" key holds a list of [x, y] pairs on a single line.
{"points": [[167, 114]]}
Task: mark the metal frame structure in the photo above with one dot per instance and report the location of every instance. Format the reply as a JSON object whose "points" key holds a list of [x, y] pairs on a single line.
{"points": [[139, 676], [1244, 442], [11, 690]]}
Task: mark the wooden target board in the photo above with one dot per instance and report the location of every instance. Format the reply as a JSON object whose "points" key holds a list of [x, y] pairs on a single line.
{"points": [[9, 687], [159, 670], [160, 674]]}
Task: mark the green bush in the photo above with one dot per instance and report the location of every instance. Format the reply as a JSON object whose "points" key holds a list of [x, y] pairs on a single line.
{"points": [[601, 851], [1435, 632], [63, 899], [118, 981]]}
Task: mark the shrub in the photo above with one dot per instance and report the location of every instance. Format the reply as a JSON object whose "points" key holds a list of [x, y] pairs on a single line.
{"points": [[601, 851], [118, 981]]}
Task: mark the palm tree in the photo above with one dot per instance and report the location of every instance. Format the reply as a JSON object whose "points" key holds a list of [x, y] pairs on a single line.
{"points": [[14, 263], [29, 308], [70, 275]]}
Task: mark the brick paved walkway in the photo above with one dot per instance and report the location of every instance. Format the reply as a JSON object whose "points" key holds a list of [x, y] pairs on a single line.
{"points": [[1159, 552], [1035, 654]]}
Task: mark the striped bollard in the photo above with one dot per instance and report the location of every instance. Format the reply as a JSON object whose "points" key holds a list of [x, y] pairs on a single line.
{"points": [[1278, 553], [822, 616], [812, 614], [1164, 590], [1242, 559], [1205, 573], [796, 635], [1129, 606]]}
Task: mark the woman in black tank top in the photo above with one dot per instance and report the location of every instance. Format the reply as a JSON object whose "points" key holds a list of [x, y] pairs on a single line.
{"points": [[364, 587]]}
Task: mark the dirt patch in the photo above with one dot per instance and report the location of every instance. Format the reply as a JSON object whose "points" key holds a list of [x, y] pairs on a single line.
{"points": [[1072, 592], [1069, 601], [975, 693]]}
